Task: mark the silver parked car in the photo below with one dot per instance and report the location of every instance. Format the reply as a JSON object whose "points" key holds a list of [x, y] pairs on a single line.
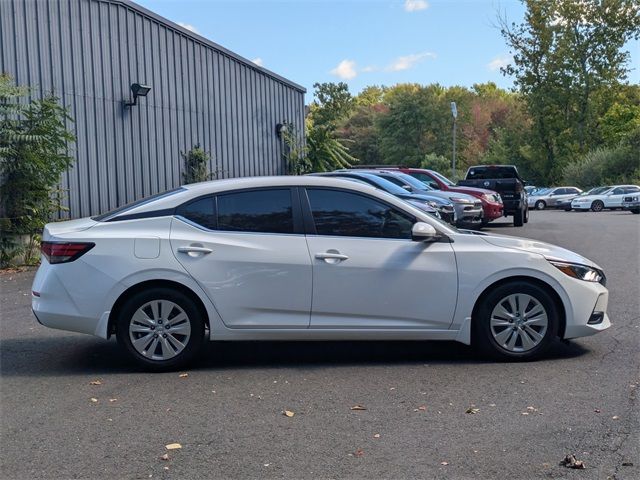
{"points": [[550, 198]]}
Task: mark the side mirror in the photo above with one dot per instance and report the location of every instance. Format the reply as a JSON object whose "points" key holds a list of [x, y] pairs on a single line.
{"points": [[423, 232]]}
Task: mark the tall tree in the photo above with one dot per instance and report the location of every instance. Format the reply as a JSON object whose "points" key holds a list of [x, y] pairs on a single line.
{"points": [[565, 54]]}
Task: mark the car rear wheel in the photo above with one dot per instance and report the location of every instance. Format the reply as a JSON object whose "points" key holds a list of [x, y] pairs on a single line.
{"points": [[515, 321], [541, 205], [636, 210], [597, 206], [518, 218], [161, 329]]}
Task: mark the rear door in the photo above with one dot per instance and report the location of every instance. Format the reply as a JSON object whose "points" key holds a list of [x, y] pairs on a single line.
{"points": [[614, 199], [248, 252], [367, 272]]}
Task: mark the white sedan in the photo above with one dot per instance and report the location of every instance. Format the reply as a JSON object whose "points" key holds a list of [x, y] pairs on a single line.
{"points": [[610, 198], [305, 258]]}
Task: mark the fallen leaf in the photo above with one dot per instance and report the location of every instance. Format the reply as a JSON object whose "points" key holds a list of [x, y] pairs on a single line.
{"points": [[173, 446], [95, 382], [422, 408], [113, 400], [358, 407], [183, 375], [166, 468], [597, 410], [164, 457], [288, 413], [359, 453], [266, 464], [615, 417], [444, 463], [524, 413], [570, 461], [94, 400], [377, 435], [472, 410], [627, 464]]}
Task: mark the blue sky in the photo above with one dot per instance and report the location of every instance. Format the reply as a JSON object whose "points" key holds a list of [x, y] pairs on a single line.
{"points": [[382, 42]]}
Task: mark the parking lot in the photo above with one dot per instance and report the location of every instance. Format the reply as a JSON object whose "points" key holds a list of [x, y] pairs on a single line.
{"points": [[72, 407]]}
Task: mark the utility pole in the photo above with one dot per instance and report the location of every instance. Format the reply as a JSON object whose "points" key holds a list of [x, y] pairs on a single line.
{"points": [[454, 112]]}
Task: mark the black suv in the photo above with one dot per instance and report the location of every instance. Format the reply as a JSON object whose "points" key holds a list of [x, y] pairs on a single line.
{"points": [[505, 180]]}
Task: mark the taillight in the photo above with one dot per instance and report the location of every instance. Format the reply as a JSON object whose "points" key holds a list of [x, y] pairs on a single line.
{"points": [[63, 252]]}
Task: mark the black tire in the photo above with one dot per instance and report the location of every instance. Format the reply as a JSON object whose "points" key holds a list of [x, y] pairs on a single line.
{"points": [[526, 215], [194, 318], [541, 205], [482, 336], [518, 218], [636, 211], [567, 209], [597, 206]]}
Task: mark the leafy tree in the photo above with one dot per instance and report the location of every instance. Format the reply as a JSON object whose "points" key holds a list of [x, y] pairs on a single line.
{"points": [[33, 154], [361, 131], [325, 150], [568, 58]]}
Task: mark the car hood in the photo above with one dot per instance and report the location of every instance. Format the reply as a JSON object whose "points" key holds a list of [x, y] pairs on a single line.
{"points": [[549, 251], [427, 197]]}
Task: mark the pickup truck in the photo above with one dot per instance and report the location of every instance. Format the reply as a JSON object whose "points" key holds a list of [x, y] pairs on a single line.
{"points": [[505, 180]]}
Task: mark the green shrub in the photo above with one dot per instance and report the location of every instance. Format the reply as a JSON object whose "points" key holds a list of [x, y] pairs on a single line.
{"points": [[196, 165], [34, 143]]}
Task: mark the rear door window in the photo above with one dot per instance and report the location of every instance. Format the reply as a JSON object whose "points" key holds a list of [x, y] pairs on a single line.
{"points": [[260, 211]]}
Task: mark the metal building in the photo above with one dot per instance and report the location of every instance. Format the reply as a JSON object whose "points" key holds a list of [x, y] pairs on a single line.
{"points": [[90, 52]]}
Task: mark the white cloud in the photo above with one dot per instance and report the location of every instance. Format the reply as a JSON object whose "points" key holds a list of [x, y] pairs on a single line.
{"points": [[408, 61], [346, 70], [189, 27], [258, 61], [415, 5], [369, 68], [501, 61]]}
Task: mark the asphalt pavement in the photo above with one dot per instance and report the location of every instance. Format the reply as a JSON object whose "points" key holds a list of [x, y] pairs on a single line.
{"points": [[227, 411]]}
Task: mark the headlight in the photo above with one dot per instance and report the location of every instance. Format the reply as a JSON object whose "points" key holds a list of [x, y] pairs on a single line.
{"points": [[489, 198], [460, 200], [581, 272]]}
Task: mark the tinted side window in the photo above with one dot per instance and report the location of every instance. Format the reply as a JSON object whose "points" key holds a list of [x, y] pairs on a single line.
{"points": [[351, 215], [394, 179], [201, 212], [572, 191], [633, 189], [560, 191], [618, 191], [426, 179], [263, 211]]}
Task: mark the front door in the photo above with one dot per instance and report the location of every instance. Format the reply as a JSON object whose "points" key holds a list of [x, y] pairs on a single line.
{"points": [[614, 199], [242, 249], [368, 273]]}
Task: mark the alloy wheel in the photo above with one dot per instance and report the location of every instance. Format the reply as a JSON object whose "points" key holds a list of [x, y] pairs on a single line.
{"points": [[518, 322], [159, 330]]}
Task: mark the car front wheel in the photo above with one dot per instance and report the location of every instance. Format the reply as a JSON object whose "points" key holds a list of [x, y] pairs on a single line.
{"points": [[541, 205], [515, 321], [597, 206], [161, 329]]}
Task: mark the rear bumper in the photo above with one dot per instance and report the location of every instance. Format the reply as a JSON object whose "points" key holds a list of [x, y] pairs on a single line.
{"points": [[512, 206]]}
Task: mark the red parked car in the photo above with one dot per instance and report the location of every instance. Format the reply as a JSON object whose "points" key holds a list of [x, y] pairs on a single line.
{"points": [[491, 201]]}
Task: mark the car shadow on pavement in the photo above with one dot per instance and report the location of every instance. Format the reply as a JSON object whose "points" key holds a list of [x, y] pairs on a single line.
{"points": [[71, 355]]}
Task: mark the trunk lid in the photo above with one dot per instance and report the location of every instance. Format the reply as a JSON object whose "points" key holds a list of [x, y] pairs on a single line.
{"points": [[55, 229]]}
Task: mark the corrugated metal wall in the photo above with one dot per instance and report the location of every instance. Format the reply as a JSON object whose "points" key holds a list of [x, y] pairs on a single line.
{"points": [[89, 52]]}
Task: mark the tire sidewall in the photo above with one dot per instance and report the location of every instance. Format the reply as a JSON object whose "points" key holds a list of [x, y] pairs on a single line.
{"points": [[599, 203], [196, 338], [541, 205], [482, 336]]}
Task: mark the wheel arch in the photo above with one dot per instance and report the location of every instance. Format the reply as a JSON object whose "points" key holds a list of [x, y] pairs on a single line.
{"points": [[536, 281], [144, 285]]}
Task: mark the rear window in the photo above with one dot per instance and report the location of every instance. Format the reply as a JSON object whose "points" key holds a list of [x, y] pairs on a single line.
{"points": [[264, 211], [110, 215], [487, 173]]}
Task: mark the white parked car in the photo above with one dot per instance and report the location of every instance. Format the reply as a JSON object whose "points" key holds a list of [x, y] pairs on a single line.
{"points": [[610, 198], [305, 258], [549, 198]]}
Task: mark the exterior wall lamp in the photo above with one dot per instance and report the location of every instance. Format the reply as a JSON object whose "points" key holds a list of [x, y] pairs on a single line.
{"points": [[281, 129], [137, 90]]}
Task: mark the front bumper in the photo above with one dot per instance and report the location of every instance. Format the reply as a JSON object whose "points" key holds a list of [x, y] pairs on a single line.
{"points": [[469, 215], [631, 205], [590, 322]]}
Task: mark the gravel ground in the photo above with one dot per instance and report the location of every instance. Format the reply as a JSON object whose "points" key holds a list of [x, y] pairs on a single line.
{"points": [[227, 413]]}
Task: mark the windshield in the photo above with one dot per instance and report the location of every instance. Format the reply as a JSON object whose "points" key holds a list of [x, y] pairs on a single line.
{"points": [[414, 182], [596, 191], [489, 173], [442, 178], [383, 184], [540, 191]]}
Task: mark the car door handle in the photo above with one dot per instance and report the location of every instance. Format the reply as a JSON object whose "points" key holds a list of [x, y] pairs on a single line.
{"points": [[190, 249], [331, 257]]}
